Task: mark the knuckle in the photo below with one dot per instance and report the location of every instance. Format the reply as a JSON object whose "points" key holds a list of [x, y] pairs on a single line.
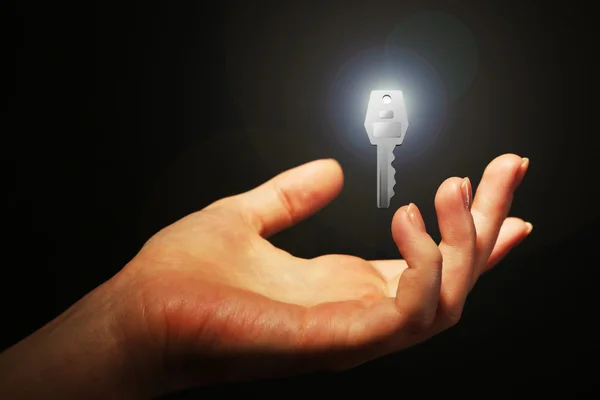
{"points": [[453, 315], [437, 257], [420, 322], [286, 201]]}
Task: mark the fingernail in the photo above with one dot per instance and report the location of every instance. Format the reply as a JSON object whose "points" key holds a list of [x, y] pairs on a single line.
{"points": [[415, 216], [528, 229], [521, 172], [467, 192]]}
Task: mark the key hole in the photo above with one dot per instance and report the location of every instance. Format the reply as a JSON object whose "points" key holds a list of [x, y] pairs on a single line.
{"points": [[387, 99]]}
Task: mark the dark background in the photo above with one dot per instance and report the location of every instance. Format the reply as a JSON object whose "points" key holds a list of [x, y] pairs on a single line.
{"points": [[127, 117]]}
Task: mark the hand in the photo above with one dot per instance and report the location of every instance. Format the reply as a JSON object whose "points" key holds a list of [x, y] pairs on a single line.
{"points": [[209, 299]]}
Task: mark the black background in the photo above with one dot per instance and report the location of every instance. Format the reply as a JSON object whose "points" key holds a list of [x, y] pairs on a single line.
{"points": [[127, 117]]}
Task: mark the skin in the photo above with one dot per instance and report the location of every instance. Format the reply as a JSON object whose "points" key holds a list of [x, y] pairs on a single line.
{"points": [[209, 299]]}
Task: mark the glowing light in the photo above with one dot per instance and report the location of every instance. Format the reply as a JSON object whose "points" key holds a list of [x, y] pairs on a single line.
{"points": [[383, 68]]}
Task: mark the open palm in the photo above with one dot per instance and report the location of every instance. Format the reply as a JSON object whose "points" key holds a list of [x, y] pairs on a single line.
{"points": [[219, 302]]}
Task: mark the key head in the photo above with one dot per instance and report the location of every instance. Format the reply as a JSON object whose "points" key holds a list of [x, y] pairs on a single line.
{"points": [[386, 118]]}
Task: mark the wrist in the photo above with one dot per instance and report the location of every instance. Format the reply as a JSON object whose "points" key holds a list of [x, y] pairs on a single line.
{"points": [[83, 353]]}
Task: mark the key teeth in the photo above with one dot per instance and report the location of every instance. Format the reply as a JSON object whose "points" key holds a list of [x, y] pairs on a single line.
{"points": [[392, 173]]}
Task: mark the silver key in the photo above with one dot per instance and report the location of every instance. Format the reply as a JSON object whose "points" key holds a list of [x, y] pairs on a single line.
{"points": [[386, 123]]}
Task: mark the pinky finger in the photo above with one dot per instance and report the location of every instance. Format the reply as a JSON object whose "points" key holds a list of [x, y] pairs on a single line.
{"points": [[512, 232]]}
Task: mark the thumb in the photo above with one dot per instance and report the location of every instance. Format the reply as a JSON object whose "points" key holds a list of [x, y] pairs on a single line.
{"points": [[291, 196]]}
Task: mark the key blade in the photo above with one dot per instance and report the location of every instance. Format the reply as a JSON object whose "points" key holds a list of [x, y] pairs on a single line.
{"points": [[386, 174]]}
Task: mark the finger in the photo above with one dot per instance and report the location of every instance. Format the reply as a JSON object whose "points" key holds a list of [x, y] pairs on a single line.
{"points": [[419, 286], [407, 319], [291, 196], [493, 200], [452, 204], [512, 232]]}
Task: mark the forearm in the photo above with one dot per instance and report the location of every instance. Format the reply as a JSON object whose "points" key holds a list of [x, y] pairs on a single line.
{"points": [[80, 354]]}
